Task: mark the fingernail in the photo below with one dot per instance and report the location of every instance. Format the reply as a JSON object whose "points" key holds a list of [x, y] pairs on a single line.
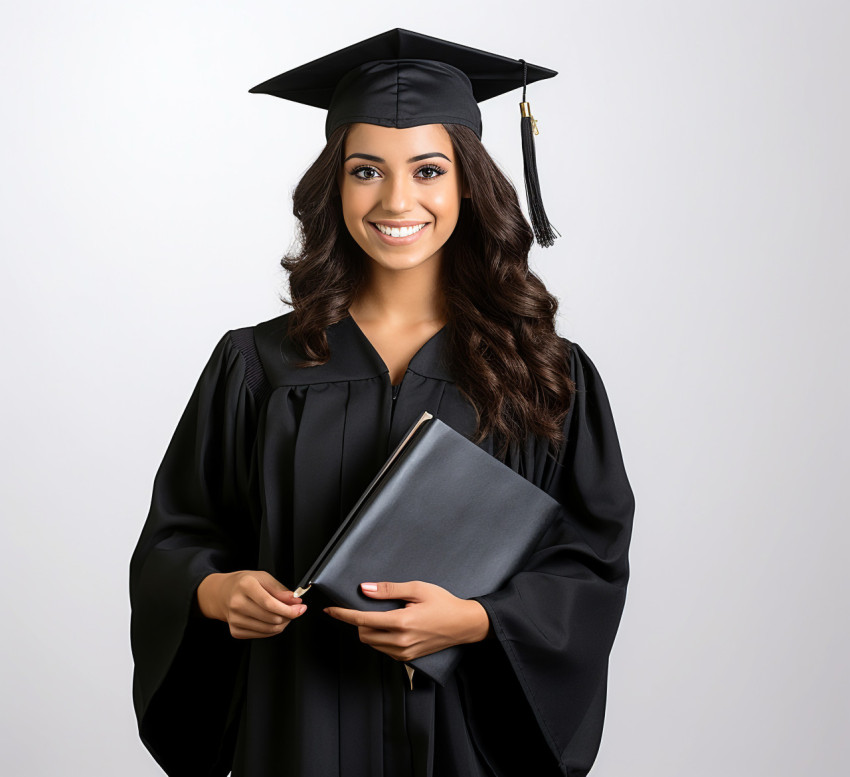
{"points": [[369, 586], [301, 609]]}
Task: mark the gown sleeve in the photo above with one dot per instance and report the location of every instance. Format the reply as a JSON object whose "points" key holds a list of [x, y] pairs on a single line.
{"points": [[556, 619], [188, 668]]}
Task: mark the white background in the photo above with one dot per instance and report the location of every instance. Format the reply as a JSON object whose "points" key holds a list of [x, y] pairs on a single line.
{"points": [[694, 157]]}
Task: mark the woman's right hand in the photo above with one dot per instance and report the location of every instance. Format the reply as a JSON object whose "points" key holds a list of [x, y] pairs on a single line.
{"points": [[252, 602]]}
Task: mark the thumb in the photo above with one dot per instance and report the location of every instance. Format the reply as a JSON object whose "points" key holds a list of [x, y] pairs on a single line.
{"points": [[279, 590]]}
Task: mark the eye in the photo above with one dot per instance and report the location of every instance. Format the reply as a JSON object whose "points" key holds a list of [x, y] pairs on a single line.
{"points": [[435, 169], [363, 168], [369, 173]]}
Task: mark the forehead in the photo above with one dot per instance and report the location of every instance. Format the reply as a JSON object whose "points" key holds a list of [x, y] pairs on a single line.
{"points": [[388, 142]]}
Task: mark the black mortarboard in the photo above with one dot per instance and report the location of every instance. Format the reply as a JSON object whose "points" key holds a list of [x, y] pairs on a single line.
{"points": [[403, 79]]}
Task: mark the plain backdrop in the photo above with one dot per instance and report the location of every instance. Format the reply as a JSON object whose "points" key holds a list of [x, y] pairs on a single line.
{"points": [[693, 156]]}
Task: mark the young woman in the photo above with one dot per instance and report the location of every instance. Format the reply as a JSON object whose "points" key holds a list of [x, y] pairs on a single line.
{"points": [[411, 291]]}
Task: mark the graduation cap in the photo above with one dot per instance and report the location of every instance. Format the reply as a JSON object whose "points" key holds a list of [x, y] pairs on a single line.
{"points": [[403, 79]]}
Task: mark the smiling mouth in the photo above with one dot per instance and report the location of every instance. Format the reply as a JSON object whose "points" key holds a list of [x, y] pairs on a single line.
{"points": [[403, 236], [400, 231]]}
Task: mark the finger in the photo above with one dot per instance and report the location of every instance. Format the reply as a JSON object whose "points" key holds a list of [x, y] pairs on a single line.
{"points": [[342, 614], [378, 637], [376, 620], [285, 595], [393, 650], [248, 607], [261, 595], [239, 633], [247, 624], [411, 590], [276, 588], [276, 607]]}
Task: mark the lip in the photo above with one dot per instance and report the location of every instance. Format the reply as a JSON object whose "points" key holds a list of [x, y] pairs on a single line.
{"points": [[388, 223], [399, 241]]}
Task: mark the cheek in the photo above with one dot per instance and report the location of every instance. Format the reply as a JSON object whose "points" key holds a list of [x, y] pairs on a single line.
{"points": [[354, 205], [447, 205], [444, 202]]}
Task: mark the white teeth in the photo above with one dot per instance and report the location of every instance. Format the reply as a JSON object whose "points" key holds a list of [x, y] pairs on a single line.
{"points": [[399, 231]]}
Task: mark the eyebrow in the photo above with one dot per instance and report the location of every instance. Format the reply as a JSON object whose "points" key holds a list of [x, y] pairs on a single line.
{"points": [[419, 158]]}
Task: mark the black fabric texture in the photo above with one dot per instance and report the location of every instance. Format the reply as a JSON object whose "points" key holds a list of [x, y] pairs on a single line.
{"points": [[259, 478]]}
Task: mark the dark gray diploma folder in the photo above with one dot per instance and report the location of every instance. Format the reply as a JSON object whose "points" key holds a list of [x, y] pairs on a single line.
{"points": [[441, 510]]}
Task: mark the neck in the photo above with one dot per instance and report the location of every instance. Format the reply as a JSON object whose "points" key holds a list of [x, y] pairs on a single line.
{"points": [[402, 297]]}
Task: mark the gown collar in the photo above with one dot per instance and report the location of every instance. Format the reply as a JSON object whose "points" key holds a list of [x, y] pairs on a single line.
{"points": [[353, 357]]}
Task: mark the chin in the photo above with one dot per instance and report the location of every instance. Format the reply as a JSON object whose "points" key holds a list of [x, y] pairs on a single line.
{"points": [[398, 259], [400, 262]]}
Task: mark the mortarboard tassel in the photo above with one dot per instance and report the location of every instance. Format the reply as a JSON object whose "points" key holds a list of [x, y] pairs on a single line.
{"points": [[544, 232]]}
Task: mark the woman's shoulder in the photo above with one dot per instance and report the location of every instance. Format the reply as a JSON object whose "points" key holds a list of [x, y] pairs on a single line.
{"points": [[254, 336], [260, 346], [272, 329], [280, 356], [239, 359], [581, 367], [571, 349]]}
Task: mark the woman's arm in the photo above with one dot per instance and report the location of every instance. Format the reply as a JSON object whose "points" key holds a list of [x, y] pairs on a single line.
{"points": [[556, 620], [188, 669]]}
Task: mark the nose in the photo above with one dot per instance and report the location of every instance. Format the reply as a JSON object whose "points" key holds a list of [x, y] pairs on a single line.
{"points": [[398, 195]]}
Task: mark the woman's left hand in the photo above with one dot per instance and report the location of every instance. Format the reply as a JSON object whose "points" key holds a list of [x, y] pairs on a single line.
{"points": [[432, 619]]}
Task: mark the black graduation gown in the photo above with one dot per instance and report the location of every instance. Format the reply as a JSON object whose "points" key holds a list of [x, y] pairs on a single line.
{"points": [[265, 462]]}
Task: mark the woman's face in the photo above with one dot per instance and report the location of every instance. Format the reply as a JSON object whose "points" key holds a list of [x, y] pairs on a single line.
{"points": [[400, 178]]}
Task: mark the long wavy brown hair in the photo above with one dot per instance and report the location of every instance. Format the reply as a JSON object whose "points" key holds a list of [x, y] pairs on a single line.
{"points": [[504, 353]]}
